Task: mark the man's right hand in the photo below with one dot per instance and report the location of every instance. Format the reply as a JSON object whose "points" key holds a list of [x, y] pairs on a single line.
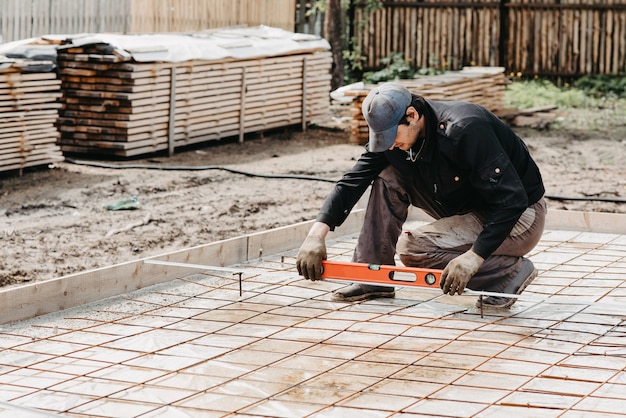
{"points": [[310, 256]]}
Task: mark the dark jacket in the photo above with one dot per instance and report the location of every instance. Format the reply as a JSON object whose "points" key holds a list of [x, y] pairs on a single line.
{"points": [[471, 162]]}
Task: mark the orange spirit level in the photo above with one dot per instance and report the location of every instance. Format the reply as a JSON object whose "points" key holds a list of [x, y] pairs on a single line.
{"points": [[381, 274]]}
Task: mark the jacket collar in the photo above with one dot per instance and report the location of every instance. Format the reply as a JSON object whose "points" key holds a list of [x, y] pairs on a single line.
{"points": [[430, 146]]}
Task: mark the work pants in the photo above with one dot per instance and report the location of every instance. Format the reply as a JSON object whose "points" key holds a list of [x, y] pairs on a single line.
{"points": [[433, 245]]}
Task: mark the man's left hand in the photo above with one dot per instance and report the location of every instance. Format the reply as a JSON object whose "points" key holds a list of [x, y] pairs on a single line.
{"points": [[459, 271]]}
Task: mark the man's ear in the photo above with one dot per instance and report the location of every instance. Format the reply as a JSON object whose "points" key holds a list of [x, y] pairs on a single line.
{"points": [[411, 114]]}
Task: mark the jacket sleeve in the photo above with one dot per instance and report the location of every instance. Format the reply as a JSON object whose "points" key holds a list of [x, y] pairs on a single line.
{"points": [[349, 189], [495, 179]]}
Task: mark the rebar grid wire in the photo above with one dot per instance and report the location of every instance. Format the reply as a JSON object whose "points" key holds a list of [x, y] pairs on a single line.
{"points": [[282, 348]]}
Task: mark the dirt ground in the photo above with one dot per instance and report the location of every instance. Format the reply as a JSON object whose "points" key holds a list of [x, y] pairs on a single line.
{"points": [[53, 220]]}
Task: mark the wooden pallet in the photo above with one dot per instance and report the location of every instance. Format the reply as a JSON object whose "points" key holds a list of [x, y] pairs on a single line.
{"points": [[112, 106], [480, 85], [29, 104]]}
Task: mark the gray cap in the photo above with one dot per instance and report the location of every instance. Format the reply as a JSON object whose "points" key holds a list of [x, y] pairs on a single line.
{"points": [[383, 108]]}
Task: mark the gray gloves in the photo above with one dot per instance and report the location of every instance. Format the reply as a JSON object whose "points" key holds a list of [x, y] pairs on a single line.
{"points": [[459, 271], [310, 256]]}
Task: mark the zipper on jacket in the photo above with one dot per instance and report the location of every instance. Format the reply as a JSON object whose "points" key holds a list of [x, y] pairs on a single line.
{"points": [[436, 194]]}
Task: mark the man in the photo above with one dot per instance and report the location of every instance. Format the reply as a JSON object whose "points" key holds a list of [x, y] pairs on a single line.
{"points": [[460, 164]]}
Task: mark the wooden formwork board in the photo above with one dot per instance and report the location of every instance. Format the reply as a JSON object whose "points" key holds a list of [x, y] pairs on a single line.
{"points": [[35, 299]]}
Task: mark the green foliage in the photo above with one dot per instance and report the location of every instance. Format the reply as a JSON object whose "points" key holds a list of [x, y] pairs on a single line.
{"points": [[429, 71], [318, 6], [525, 94], [354, 59], [579, 108], [433, 67], [602, 85], [395, 68], [353, 55], [373, 5], [586, 92]]}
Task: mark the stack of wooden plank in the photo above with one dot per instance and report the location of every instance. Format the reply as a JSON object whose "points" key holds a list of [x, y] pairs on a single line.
{"points": [[116, 106], [481, 85], [539, 117], [29, 94]]}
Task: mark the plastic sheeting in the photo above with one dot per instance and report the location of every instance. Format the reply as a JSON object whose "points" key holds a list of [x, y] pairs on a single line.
{"points": [[228, 43]]}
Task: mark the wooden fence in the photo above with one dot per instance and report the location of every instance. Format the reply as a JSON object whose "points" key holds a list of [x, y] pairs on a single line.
{"points": [[532, 37], [22, 19], [566, 37], [432, 34]]}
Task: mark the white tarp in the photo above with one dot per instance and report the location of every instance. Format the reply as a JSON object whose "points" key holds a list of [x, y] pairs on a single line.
{"points": [[219, 44]]}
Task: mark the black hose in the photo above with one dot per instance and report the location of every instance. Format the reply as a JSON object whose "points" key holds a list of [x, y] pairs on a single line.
{"points": [[586, 199], [279, 176], [196, 168]]}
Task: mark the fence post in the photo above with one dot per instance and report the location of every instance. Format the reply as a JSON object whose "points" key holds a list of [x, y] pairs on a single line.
{"points": [[242, 105], [301, 15], [304, 91], [504, 33]]}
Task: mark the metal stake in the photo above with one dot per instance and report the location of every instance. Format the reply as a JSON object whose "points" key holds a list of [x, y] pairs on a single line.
{"points": [[239, 273]]}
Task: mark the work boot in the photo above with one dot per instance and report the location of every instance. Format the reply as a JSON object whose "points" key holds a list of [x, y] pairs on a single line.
{"points": [[522, 279], [358, 291]]}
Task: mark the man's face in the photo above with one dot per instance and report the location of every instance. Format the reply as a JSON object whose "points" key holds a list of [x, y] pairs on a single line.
{"points": [[408, 134]]}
